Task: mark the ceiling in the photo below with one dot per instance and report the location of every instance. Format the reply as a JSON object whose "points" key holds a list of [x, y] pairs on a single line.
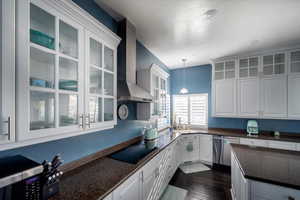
{"points": [[202, 30]]}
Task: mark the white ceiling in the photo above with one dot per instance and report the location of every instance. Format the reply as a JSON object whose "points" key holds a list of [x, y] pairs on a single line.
{"points": [[176, 29]]}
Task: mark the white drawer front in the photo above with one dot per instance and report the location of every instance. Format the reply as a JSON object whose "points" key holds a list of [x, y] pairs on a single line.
{"points": [[283, 145], [254, 142]]}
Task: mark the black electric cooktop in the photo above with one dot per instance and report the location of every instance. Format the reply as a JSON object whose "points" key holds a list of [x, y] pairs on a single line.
{"points": [[136, 152]]}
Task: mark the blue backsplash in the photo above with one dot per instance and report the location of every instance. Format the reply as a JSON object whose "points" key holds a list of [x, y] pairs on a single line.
{"points": [[198, 80], [77, 147]]}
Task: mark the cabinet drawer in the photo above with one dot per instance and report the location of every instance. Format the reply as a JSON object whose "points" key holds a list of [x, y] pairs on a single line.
{"points": [[272, 192], [254, 142], [283, 145]]}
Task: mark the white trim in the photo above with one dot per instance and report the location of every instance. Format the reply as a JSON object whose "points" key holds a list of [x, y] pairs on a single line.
{"points": [[159, 71], [52, 138], [85, 19], [7, 56]]}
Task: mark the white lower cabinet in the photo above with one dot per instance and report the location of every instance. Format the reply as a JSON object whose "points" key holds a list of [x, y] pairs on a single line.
{"points": [[131, 189], [283, 145], [191, 148], [206, 148], [254, 142]]}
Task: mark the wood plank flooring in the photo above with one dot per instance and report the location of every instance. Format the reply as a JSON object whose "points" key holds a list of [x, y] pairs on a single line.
{"points": [[207, 185]]}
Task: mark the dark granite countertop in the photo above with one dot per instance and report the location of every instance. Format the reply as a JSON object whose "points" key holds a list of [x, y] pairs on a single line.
{"points": [[264, 135], [97, 179], [279, 167]]}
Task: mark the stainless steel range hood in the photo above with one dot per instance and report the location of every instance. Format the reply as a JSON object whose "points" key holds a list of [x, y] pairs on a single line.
{"points": [[128, 90]]}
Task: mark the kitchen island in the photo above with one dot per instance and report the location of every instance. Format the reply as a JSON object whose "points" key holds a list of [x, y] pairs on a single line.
{"points": [[260, 173]]}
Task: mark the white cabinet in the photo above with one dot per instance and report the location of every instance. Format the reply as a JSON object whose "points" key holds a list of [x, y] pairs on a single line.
{"points": [[191, 148], [206, 149], [240, 187], [248, 97], [154, 80], [224, 89], [283, 145], [7, 71], [293, 97], [254, 142], [274, 97], [130, 189], [55, 50], [225, 98]]}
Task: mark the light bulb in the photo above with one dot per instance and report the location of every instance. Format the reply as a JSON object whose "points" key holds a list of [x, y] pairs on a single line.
{"points": [[183, 91]]}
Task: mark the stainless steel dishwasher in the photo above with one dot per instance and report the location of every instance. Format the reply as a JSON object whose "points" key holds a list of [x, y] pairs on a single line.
{"points": [[222, 149]]}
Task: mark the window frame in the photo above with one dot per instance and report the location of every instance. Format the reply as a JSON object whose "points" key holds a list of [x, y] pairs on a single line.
{"points": [[189, 108]]}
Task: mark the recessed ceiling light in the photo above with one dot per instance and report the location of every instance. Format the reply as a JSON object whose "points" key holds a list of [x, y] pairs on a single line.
{"points": [[210, 13]]}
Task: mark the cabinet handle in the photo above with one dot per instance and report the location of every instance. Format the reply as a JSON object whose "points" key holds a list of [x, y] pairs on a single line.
{"points": [[89, 120], [291, 198], [81, 121], [8, 127]]}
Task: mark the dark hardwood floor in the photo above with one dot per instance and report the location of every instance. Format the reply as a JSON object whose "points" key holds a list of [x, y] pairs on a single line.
{"points": [[207, 185]]}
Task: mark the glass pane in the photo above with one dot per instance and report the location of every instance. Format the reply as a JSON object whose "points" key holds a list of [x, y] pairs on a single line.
{"points": [[253, 62], [162, 84], [253, 72], [244, 73], [155, 81], [42, 27], [156, 93], [95, 81], [279, 69], [108, 84], [219, 75], [229, 74], [229, 65], [219, 66], [295, 56], [268, 70], [108, 59], [41, 110], [295, 67], [279, 58], [268, 60], [42, 68], [68, 37], [108, 109], [95, 107], [243, 63], [95, 53], [68, 74], [68, 109], [155, 109]]}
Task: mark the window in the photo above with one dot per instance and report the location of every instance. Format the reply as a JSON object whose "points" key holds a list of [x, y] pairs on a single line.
{"points": [[191, 109]]}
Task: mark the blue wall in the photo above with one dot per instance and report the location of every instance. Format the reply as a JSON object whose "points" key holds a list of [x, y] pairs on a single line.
{"points": [[77, 147], [91, 7], [198, 80]]}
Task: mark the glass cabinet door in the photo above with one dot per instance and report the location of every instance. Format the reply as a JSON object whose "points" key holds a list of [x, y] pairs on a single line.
{"points": [[55, 96], [101, 84], [156, 94]]}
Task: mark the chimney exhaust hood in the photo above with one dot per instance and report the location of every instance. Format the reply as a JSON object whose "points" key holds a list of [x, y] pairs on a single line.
{"points": [[128, 90]]}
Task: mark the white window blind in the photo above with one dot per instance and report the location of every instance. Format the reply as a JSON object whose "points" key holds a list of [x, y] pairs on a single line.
{"points": [[191, 109]]}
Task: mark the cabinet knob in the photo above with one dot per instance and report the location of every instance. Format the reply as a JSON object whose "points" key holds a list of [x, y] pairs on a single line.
{"points": [[291, 198]]}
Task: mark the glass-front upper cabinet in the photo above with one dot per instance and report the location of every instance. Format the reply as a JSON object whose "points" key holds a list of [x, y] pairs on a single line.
{"points": [[51, 68], [155, 94], [248, 67], [7, 71], [101, 84], [274, 64]]}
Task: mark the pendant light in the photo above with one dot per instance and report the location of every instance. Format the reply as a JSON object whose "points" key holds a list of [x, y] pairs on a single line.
{"points": [[183, 89]]}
